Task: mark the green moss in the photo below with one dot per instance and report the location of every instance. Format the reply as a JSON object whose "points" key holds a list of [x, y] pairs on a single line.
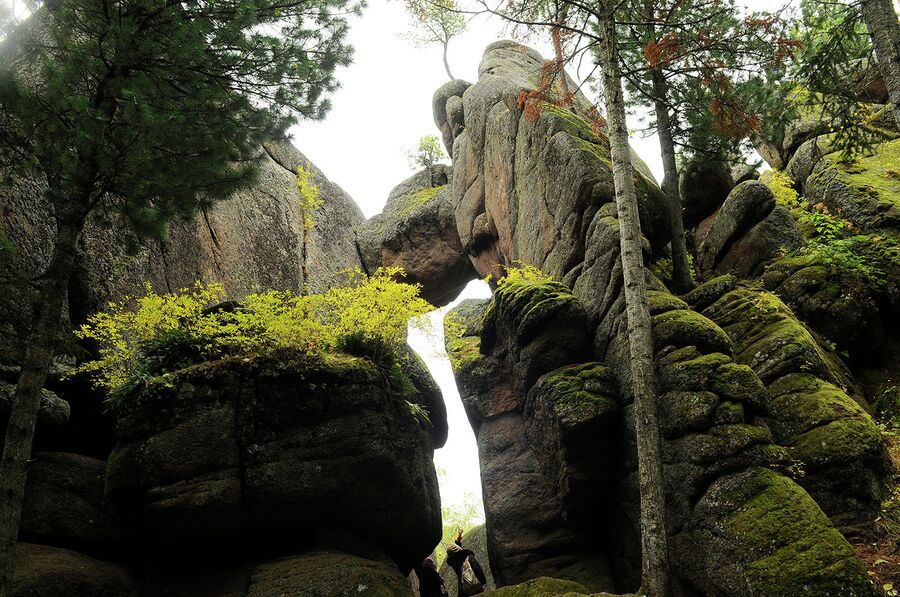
{"points": [[528, 303], [876, 174], [411, 202], [721, 442], [841, 441], [541, 587], [729, 413], [794, 548], [660, 302], [464, 352], [739, 383], [581, 392], [684, 327], [801, 402]]}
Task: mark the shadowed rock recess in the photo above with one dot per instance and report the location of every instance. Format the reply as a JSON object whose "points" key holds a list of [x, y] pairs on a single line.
{"points": [[291, 474]]}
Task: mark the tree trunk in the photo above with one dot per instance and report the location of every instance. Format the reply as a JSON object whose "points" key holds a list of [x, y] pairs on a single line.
{"points": [[39, 352], [681, 267], [881, 20], [447, 64], [654, 540]]}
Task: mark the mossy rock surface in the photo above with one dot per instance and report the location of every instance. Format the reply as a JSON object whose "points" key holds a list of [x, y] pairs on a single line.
{"points": [[661, 302], [527, 304], [709, 292], [219, 450], [866, 190], [684, 327], [328, 574], [541, 587], [758, 533]]}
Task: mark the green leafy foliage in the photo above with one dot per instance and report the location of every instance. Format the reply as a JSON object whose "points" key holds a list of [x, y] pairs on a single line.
{"points": [[309, 196], [853, 256], [520, 271], [428, 153], [782, 187], [367, 316]]}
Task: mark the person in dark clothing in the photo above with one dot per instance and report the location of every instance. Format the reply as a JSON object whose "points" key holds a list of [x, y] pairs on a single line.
{"points": [[430, 582], [469, 574]]}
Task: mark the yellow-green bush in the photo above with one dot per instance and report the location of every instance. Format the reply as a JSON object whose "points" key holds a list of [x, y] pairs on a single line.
{"points": [[375, 307]]}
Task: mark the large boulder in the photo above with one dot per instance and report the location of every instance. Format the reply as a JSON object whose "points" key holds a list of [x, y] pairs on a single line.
{"points": [[809, 408], [320, 572], [757, 533], [703, 186], [417, 231], [291, 446], [524, 337], [41, 570], [748, 204]]}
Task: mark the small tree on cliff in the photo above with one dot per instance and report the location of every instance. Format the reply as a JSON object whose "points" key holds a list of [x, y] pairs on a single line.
{"points": [[436, 22], [148, 110]]}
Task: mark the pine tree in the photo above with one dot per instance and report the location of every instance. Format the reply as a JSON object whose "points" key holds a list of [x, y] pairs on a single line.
{"points": [[148, 110]]}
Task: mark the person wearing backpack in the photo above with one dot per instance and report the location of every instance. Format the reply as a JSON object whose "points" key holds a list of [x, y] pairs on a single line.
{"points": [[468, 571], [430, 582]]}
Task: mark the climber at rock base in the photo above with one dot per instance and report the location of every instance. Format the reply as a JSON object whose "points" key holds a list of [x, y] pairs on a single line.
{"points": [[431, 584], [469, 574]]}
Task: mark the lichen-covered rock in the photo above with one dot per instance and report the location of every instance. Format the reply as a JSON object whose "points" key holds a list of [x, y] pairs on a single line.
{"points": [[570, 417], [846, 314], [531, 474], [447, 108], [417, 231], [771, 238], [809, 409], [758, 533], [289, 445], [65, 505], [703, 186], [805, 159], [41, 571], [866, 191]]}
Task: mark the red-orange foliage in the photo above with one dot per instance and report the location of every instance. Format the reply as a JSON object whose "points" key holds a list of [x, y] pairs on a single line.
{"points": [[731, 118], [661, 53]]}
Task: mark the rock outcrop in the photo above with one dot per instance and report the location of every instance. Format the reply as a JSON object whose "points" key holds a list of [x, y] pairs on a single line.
{"points": [[417, 231], [543, 373], [746, 232], [249, 242]]}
